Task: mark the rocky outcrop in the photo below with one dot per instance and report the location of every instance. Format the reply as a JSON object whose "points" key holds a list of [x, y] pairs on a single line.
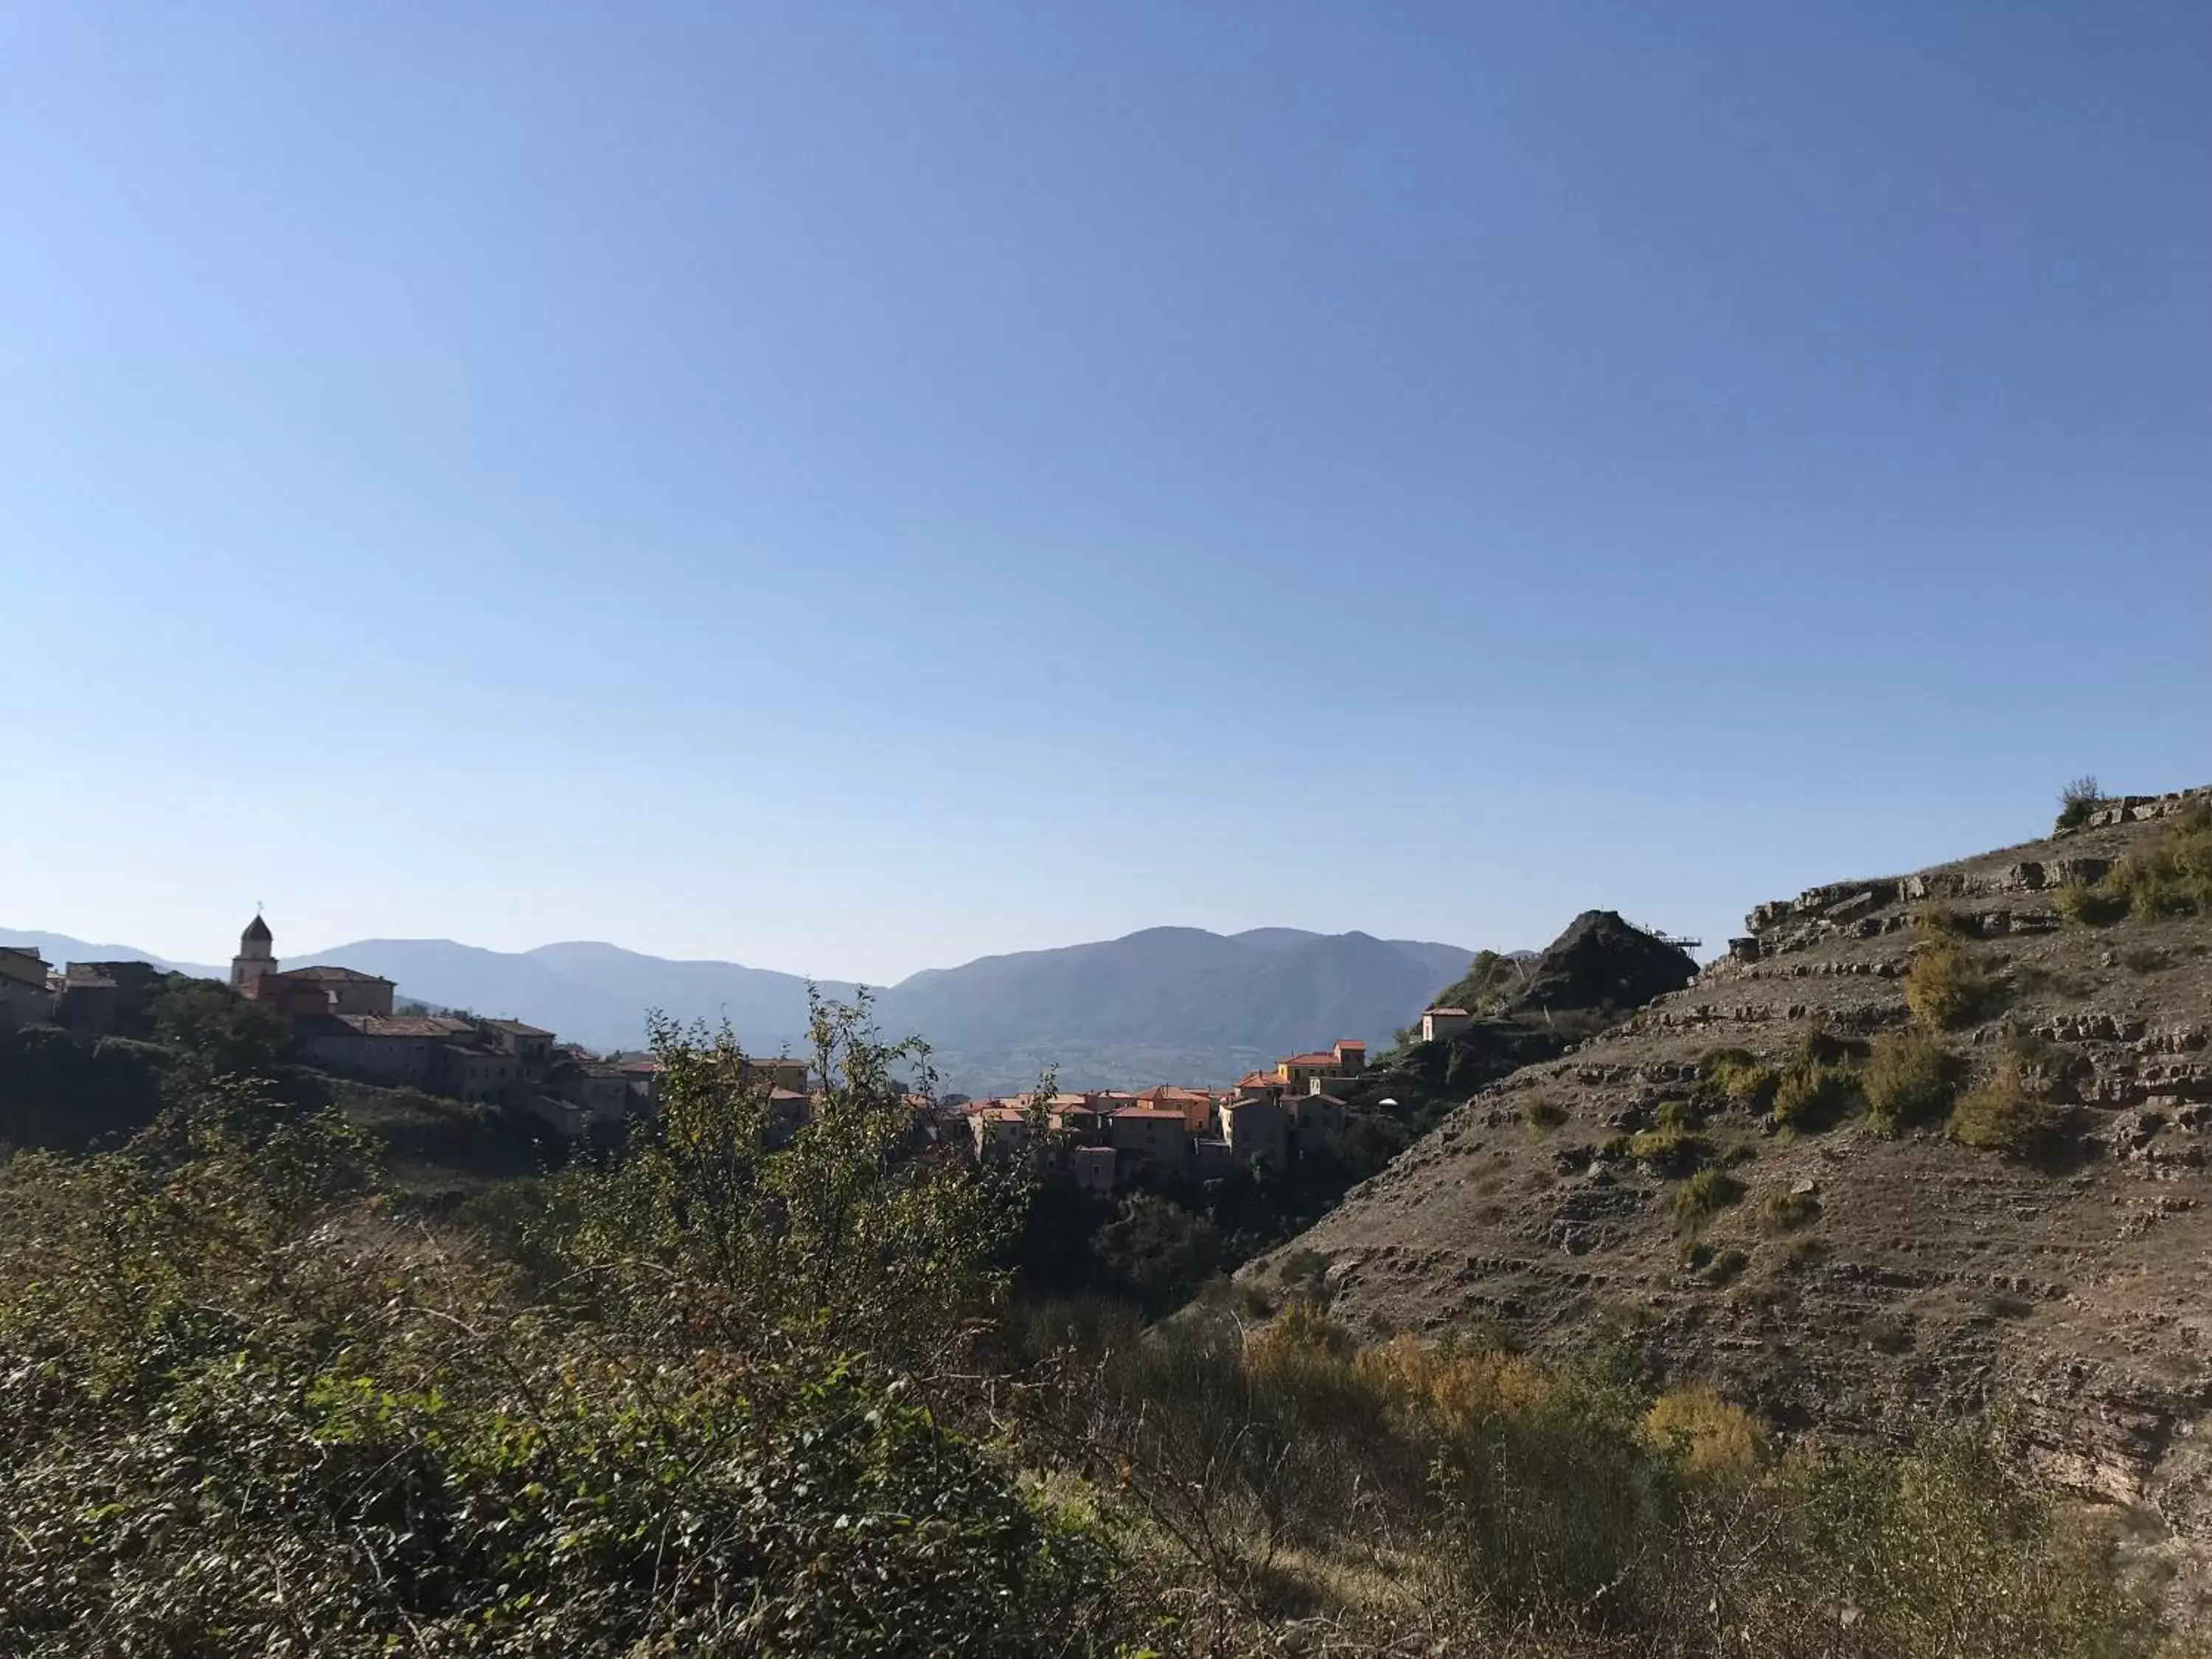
{"points": [[1601, 962]]}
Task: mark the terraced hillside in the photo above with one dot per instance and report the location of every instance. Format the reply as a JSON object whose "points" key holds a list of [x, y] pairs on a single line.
{"points": [[1830, 1273]]}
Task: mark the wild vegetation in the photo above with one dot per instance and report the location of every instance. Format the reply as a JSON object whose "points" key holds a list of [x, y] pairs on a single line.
{"points": [[705, 1397], [2170, 876], [1910, 1081], [1946, 986], [2077, 800]]}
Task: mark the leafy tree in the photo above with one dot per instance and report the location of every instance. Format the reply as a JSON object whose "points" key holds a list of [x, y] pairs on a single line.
{"points": [[852, 1237], [221, 1029], [1163, 1250]]}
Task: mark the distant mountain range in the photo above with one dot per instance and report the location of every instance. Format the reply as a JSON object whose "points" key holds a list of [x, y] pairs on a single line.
{"points": [[59, 948], [1167, 1004]]}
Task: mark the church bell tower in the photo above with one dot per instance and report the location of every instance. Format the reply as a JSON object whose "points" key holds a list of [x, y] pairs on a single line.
{"points": [[254, 958]]}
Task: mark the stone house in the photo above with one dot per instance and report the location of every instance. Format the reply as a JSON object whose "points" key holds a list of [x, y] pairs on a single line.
{"points": [[1257, 1131], [1196, 1106], [530, 1045], [469, 1071], [1316, 1121], [1001, 1134], [788, 1110], [1437, 1024], [26, 998], [1299, 1073], [1094, 1169], [407, 1051], [1151, 1134], [781, 1072], [107, 998], [601, 1091], [343, 990]]}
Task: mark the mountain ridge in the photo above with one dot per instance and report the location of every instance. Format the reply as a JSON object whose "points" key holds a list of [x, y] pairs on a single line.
{"points": [[1161, 1004]]}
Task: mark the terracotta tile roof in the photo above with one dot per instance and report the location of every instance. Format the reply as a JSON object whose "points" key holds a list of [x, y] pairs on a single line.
{"points": [[1318, 1059], [1157, 1113], [516, 1027], [1258, 1080], [351, 975], [384, 1025]]}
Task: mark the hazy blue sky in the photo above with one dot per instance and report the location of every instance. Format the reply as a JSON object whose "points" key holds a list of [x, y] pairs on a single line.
{"points": [[851, 487]]}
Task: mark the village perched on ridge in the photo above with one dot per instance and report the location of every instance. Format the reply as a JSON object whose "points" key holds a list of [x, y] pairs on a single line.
{"points": [[352, 1024]]}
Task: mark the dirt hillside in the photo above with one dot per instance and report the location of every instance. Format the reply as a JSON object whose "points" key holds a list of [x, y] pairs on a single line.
{"points": [[1861, 1281]]}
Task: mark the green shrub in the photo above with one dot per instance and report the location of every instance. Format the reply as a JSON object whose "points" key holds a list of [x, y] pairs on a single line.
{"points": [[1814, 1097], [1680, 1115], [1946, 921], [1728, 1266], [2077, 800], [1947, 987], [1541, 1114], [1910, 1081], [1670, 1152], [1739, 1078], [1705, 1195], [2001, 1114], [2086, 906], [2171, 876], [1788, 1212]]}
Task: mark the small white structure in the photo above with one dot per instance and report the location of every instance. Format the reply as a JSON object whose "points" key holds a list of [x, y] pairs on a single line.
{"points": [[1440, 1023]]}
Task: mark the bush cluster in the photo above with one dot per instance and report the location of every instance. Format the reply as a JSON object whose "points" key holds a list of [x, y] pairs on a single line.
{"points": [[2170, 876], [1670, 1151], [1946, 986], [242, 1410], [2001, 1114], [1813, 1096], [2077, 800], [1705, 1195], [1532, 1510], [1738, 1077], [703, 1397], [1910, 1081]]}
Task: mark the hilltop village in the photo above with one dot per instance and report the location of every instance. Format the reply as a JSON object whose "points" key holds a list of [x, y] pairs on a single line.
{"points": [[348, 1023], [352, 1024]]}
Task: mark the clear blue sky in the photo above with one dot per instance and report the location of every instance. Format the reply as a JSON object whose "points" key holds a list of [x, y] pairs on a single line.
{"points": [[850, 488]]}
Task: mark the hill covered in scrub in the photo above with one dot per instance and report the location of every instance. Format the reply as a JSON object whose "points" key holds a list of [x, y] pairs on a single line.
{"points": [[1924, 1144]]}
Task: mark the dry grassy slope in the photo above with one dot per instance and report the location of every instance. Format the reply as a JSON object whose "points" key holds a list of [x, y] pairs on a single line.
{"points": [[1938, 1279]]}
